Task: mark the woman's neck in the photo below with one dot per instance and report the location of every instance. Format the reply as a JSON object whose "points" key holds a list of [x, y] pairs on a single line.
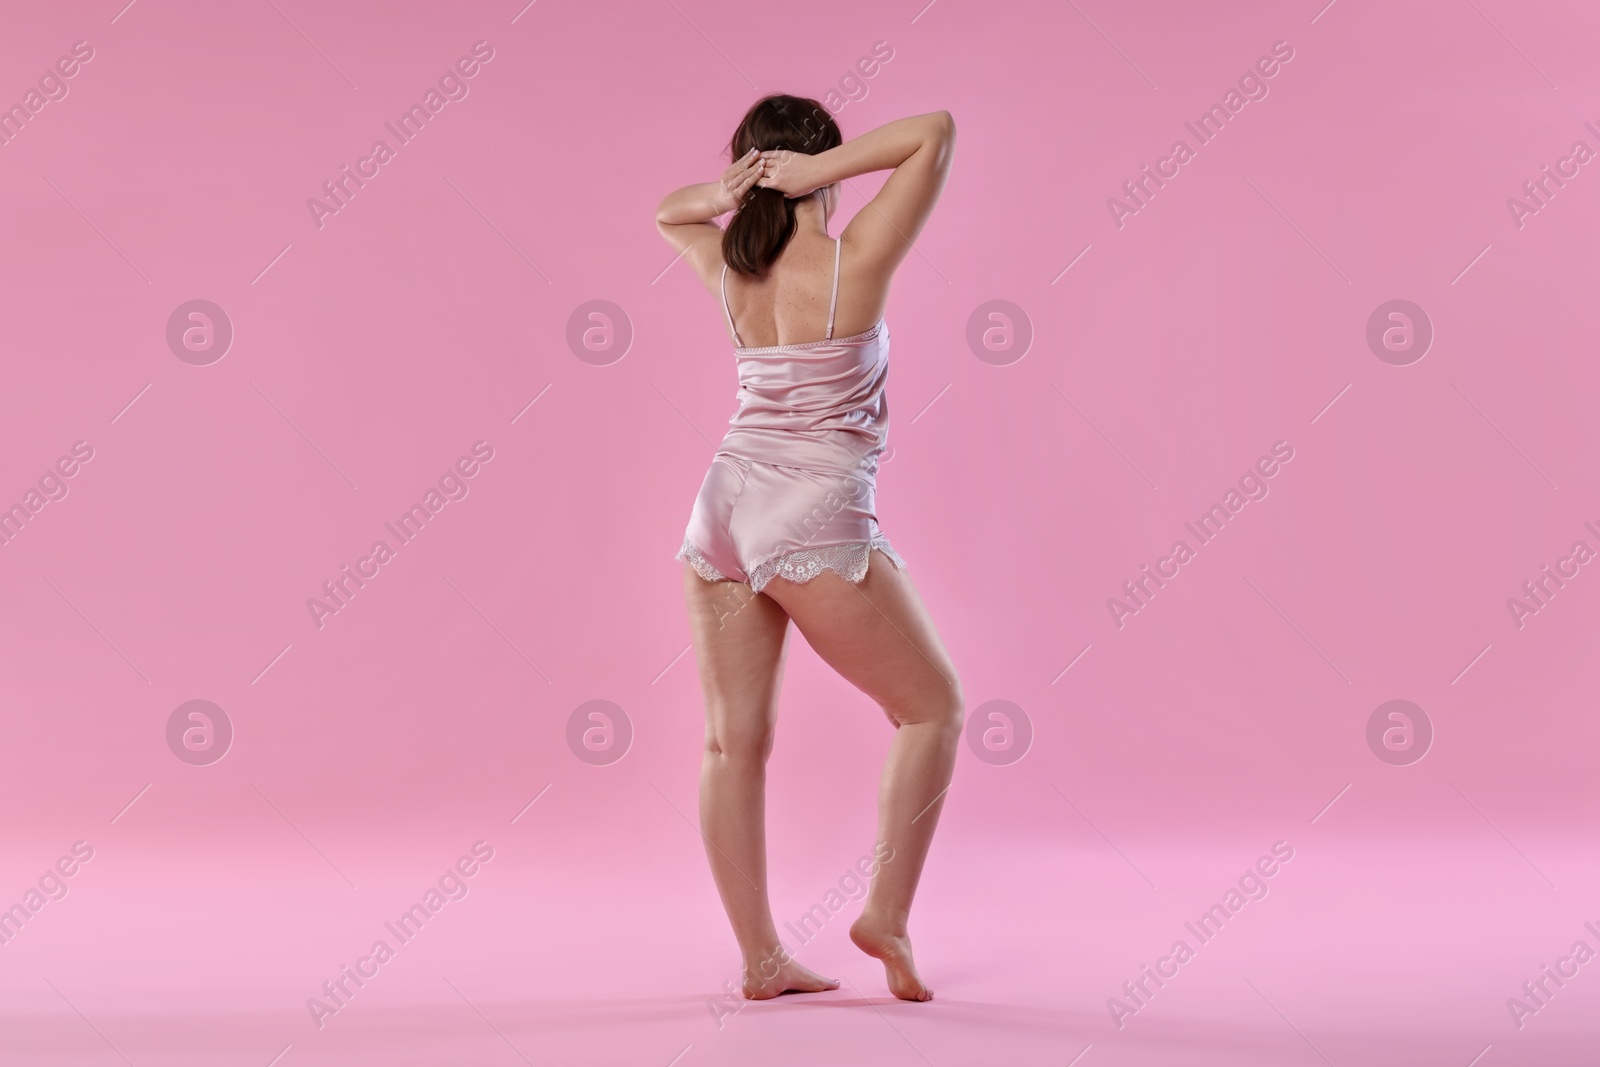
{"points": [[809, 217]]}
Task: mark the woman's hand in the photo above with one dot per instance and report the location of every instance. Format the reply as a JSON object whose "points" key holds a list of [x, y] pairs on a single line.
{"points": [[737, 181], [793, 174]]}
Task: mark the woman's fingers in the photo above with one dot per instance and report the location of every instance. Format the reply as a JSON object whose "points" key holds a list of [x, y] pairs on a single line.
{"points": [[739, 166], [738, 179], [771, 159]]}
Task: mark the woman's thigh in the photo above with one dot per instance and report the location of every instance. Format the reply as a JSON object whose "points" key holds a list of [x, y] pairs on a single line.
{"points": [[879, 636], [739, 639]]}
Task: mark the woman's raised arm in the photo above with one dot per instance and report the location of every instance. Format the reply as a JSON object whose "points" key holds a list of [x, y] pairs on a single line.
{"points": [[918, 149]]}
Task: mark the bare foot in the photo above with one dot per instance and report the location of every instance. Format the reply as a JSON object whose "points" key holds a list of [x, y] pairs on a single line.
{"points": [[791, 978], [884, 942]]}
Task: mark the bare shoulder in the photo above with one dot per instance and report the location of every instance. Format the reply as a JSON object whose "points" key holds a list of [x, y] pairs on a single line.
{"points": [[864, 263], [865, 277], [887, 226], [700, 245]]}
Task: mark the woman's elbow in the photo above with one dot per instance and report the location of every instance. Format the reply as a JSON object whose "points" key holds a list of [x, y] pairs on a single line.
{"points": [[941, 133], [943, 136], [670, 233]]}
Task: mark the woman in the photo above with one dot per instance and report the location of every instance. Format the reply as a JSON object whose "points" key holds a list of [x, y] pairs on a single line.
{"points": [[784, 525]]}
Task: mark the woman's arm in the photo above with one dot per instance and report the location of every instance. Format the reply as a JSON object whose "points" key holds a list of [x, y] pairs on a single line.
{"points": [[693, 203], [918, 149], [885, 148], [684, 215], [707, 200]]}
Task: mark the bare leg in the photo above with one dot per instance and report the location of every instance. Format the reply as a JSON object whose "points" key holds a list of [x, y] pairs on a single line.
{"points": [[739, 646], [879, 637]]}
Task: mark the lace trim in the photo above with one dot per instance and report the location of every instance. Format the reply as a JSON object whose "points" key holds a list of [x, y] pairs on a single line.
{"points": [[701, 565], [849, 561]]}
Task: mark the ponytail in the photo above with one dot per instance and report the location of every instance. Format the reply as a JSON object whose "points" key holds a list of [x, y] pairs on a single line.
{"points": [[762, 227], [758, 231]]}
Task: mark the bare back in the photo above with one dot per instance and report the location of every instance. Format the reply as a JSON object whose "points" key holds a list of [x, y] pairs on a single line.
{"points": [[790, 305]]}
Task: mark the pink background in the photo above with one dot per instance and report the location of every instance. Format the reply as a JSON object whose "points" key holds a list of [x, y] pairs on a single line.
{"points": [[369, 754]]}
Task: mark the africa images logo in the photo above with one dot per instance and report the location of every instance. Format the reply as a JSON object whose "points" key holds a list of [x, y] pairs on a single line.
{"points": [[453, 485], [452, 87], [1252, 86]]}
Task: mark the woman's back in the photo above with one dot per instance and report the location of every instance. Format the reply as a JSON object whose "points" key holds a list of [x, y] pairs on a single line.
{"points": [[812, 390], [811, 276]]}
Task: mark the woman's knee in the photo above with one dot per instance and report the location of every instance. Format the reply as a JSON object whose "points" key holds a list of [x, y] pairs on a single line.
{"points": [[746, 738], [940, 703], [959, 706], [953, 706]]}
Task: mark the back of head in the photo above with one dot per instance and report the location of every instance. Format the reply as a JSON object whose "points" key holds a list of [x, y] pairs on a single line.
{"points": [[764, 223]]}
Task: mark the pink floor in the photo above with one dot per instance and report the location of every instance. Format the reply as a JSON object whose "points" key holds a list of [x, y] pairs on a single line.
{"points": [[1379, 951]]}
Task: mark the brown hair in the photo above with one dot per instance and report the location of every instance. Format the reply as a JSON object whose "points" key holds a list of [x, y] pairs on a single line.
{"points": [[764, 223]]}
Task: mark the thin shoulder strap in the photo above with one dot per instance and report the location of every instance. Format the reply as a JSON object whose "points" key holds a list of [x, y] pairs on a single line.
{"points": [[725, 310], [833, 301]]}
